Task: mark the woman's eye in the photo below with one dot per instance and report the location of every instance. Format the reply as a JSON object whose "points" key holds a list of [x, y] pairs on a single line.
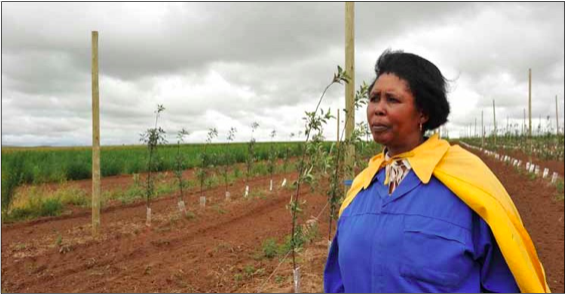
{"points": [[392, 99]]}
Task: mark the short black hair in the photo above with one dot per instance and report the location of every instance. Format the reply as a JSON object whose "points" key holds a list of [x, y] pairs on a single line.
{"points": [[426, 83]]}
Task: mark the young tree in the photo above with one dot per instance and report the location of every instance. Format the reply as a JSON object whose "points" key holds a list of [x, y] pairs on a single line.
{"points": [[179, 168], [205, 160], [271, 160], [250, 158], [313, 122], [153, 137], [228, 160]]}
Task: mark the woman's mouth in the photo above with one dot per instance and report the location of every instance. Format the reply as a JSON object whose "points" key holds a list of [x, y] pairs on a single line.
{"points": [[379, 128]]}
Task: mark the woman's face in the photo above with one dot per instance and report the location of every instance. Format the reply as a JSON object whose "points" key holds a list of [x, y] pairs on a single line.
{"points": [[393, 116]]}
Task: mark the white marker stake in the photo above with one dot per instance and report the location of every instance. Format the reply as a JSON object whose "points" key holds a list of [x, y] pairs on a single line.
{"points": [[227, 196], [202, 201], [181, 205], [554, 177], [537, 170], [528, 166], [284, 182], [247, 191], [545, 173], [532, 168], [271, 185], [519, 163], [297, 279], [148, 217]]}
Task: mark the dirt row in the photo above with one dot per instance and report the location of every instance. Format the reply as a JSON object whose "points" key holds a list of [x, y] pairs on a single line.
{"points": [[219, 249], [216, 251]]}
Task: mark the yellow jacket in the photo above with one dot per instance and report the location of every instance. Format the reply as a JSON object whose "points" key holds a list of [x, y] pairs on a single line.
{"points": [[472, 181]]}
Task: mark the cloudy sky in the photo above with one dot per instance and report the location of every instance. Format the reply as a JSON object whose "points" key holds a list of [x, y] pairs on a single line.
{"points": [[227, 65]]}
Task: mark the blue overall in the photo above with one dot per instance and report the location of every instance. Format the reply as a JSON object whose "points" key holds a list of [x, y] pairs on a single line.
{"points": [[422, 238]]}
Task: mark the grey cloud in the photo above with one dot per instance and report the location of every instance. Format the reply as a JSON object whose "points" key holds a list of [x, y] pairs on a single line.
{"points": [[275, 58]]}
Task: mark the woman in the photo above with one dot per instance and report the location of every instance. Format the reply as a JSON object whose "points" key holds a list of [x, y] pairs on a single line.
{"points": [[425, 216]]}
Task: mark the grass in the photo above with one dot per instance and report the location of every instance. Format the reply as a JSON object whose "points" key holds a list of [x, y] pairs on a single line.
{"points": [[36, 207], [269, 248], [218, 209], [36, 201], [42, 165], [305, 234], [560, 188], [58, 240]]}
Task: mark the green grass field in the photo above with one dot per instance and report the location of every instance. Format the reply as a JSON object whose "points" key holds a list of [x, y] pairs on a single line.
{"points": [[44, 165]]}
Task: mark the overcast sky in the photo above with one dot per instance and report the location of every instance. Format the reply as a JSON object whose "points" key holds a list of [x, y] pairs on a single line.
{"points": [[227, 65]]}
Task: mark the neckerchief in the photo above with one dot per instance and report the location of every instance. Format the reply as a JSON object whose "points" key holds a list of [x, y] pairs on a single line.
{"points": [[395, 171]]}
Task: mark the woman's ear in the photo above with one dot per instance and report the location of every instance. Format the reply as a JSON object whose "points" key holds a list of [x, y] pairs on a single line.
{"points": [[423, 118]]}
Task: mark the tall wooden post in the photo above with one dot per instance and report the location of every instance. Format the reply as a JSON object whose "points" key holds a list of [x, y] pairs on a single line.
{"points": [[475, 127], [494, 125], [95, 139], [337, 127], [524, 122], [530, 126], [557, 125], [350, 88], [482, 131]]}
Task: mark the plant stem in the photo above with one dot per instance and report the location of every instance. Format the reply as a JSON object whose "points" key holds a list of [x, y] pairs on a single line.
{"points": [[294, 203]]}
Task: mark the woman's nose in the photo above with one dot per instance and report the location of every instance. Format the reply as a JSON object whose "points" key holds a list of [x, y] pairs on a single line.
{"points": [[379, 107]]}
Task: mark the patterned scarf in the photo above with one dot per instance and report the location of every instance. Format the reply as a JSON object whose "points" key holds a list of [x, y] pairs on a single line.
{"points": [[395, 171]]}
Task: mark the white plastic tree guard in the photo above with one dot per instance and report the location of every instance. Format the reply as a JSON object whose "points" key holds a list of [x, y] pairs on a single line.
{"points": [[297, 279], [545, 173], [554, 177], [202, 201], [181, 205], [148, 217], [227, 196]]}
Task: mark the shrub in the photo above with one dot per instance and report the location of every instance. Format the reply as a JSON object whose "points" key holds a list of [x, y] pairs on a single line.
{"points": [[78, 170], [269, 248], [109, 168], [72, 195]]}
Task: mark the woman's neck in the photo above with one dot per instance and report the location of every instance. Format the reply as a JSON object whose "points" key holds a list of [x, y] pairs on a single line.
{"points": [[397, 150]]}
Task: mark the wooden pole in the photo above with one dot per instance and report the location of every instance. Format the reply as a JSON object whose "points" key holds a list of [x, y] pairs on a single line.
{"points": [[530, 125], [349, 32], [557, 126], [475, 127], [524, 122], [494, 125], [482, 131], [337, 127], [95, 139]]}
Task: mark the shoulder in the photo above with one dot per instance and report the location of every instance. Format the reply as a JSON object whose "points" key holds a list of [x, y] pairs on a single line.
{"points": [[462, 163], [469, 178]]}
